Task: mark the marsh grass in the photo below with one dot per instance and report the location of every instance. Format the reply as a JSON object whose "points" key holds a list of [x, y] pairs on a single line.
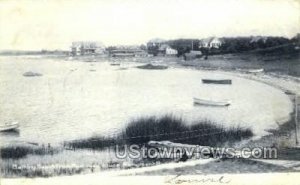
{"points": [[168, 127], [17, 152]]}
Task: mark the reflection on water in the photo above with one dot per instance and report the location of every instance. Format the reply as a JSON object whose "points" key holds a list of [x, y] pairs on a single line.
{"points": [[69, 101]]}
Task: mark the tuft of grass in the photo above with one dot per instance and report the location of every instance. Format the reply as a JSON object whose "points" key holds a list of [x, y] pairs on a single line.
{"points": [[17, 152], [168, 127], [145, 129]]}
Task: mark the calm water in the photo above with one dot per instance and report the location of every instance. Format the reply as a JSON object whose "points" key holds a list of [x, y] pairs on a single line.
{"points": [[76, 99]]}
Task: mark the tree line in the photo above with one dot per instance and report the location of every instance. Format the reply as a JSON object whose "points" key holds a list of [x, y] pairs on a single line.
{"points": [[229, 44]]}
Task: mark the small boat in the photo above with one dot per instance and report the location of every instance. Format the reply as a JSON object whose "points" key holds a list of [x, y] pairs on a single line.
{"points": [[198, 101], [115, 64], [152, 66], [31, 74], [214, 81], [256, 70], [9, 127]]}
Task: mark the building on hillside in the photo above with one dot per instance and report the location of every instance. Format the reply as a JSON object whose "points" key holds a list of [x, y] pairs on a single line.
{"points": [[216, 42], [153, 46], [87, 48], [171, 51], [165, 49], [211, 42], [205, 43], [155, 42]]}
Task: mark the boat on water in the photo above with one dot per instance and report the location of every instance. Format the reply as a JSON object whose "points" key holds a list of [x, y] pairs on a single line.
{"points": [[198, 101], [256, 70], [153, 66], [9, 127], [216, 81], [115, 64]]}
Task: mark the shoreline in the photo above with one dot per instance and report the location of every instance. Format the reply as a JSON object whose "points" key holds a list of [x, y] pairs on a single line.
{"points": [[265, 78]]}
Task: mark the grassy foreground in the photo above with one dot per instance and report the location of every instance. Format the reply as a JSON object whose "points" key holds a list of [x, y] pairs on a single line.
{"points": [[21, 160]]}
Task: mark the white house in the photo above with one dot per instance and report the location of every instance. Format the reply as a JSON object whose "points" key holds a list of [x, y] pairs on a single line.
{"points": [[211, 42], [171, 51], [216, 42]]}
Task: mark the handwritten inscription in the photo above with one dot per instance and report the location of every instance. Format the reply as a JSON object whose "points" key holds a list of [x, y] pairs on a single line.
{"points": [[201, 180]]}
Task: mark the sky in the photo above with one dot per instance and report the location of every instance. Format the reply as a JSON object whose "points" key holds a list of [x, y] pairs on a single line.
{"points": [[54, 24]]}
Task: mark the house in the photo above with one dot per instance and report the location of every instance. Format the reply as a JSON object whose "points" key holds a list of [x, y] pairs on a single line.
{"points": [[157, 42], [153, 46], [211, 42], [87, 48], [165, 49], [216, 42], [171, 51]]}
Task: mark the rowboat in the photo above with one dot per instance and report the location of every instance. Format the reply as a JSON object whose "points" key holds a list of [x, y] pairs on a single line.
{"points": [[215, 81], [115, 64], [198, 101], [256, 70], [9, 127], [31, 74], [152, 66]]}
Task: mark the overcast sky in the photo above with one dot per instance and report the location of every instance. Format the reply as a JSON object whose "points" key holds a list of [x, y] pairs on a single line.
{"points": [[31, 25]]}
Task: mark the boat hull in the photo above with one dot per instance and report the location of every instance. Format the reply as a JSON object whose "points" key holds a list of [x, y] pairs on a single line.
{"points": [[198, 101], [10, 127], [256, 71], [210, 81], [115, 64], [151, 66]]}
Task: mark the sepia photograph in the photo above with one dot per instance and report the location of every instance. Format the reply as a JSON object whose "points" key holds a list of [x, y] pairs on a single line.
{"points": [[149, 92]]}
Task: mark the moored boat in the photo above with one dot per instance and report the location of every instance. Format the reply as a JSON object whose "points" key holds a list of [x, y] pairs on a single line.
{"points": [[9, 127], [199, 101], [216, 81], [115, 64], [152, 66], [256, 70]]}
